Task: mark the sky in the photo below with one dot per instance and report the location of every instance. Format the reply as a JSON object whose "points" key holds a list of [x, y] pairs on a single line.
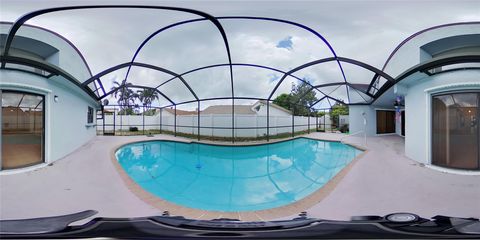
{"points": [[367, 31]]}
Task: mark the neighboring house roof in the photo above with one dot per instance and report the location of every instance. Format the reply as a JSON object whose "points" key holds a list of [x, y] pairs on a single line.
{"points": [[180, 112], [275, 106], [227, 109]]}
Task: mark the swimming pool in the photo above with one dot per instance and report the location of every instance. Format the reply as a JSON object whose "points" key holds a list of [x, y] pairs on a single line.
{"points": [[234, 178]]}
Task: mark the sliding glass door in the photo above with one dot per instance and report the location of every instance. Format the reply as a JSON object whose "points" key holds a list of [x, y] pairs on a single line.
{"points": [[22, 129], [455, 130]]}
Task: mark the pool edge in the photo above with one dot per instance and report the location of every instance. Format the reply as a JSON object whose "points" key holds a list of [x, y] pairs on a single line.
{"points": [[258, 215], [238, 144]]}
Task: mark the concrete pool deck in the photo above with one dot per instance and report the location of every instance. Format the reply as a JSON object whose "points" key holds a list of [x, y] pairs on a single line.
{"points": [[382, 181]]}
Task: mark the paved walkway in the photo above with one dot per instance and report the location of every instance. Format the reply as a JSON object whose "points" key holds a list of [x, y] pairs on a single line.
{"points": [[381, 182], [385, 181]]}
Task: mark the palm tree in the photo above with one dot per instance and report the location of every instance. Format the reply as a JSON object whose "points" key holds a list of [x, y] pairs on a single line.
{"points": [[125, 95], [147, 96]]}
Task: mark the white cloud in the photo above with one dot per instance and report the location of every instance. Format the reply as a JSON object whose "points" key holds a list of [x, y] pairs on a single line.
{"points": [[367, 31]]}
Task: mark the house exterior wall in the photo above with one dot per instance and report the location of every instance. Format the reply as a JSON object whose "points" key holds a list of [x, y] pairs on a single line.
{"points": [[357, 122], [65, 120], [67, 58], [398, 123], [411, 54], [273, 111], [418, 88], [418, 108]]}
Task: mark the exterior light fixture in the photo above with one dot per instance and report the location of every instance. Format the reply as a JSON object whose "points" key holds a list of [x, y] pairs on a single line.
{"points": [[398, 102], [55, 98]]}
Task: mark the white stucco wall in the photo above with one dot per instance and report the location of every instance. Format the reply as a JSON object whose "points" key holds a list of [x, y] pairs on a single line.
{"points": [[398, 124], [411, 54], [357, 120], [418, 109], [65, 120], [419, 87], [273, 111], [67, 58]]}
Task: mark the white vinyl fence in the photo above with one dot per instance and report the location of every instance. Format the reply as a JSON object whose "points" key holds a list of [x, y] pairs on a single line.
{"points": [[218, 125]]}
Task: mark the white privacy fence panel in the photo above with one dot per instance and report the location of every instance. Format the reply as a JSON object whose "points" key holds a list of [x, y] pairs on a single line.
{"points": [[187, 124], [17, 119], [218, 125], [167, 122], [223, 121], [242, 122]]}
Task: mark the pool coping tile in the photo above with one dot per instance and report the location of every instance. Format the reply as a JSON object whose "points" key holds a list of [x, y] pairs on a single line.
{"points": [[259, 215]]}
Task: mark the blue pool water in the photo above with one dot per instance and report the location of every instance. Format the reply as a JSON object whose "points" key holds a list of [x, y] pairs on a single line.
{"points": [[234, 178]]}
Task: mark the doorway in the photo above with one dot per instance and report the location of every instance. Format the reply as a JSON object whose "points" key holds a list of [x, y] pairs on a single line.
{"points": [[385, 121], [455, 131], [23, 129]]}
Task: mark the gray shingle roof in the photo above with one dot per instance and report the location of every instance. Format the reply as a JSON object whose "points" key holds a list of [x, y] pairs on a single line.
{"points": [[180, 112], [226, 109]]}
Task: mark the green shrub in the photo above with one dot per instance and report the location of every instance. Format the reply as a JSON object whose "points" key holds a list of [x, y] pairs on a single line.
{"points": [[344, 128]]}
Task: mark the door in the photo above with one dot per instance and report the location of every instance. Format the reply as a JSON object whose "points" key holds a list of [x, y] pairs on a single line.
{"points": [[403, 122], [385, 122], [455, 131], [22, 129]]}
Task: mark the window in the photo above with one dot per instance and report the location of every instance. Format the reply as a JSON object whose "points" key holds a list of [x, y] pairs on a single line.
{"points": [[90, 115]]}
